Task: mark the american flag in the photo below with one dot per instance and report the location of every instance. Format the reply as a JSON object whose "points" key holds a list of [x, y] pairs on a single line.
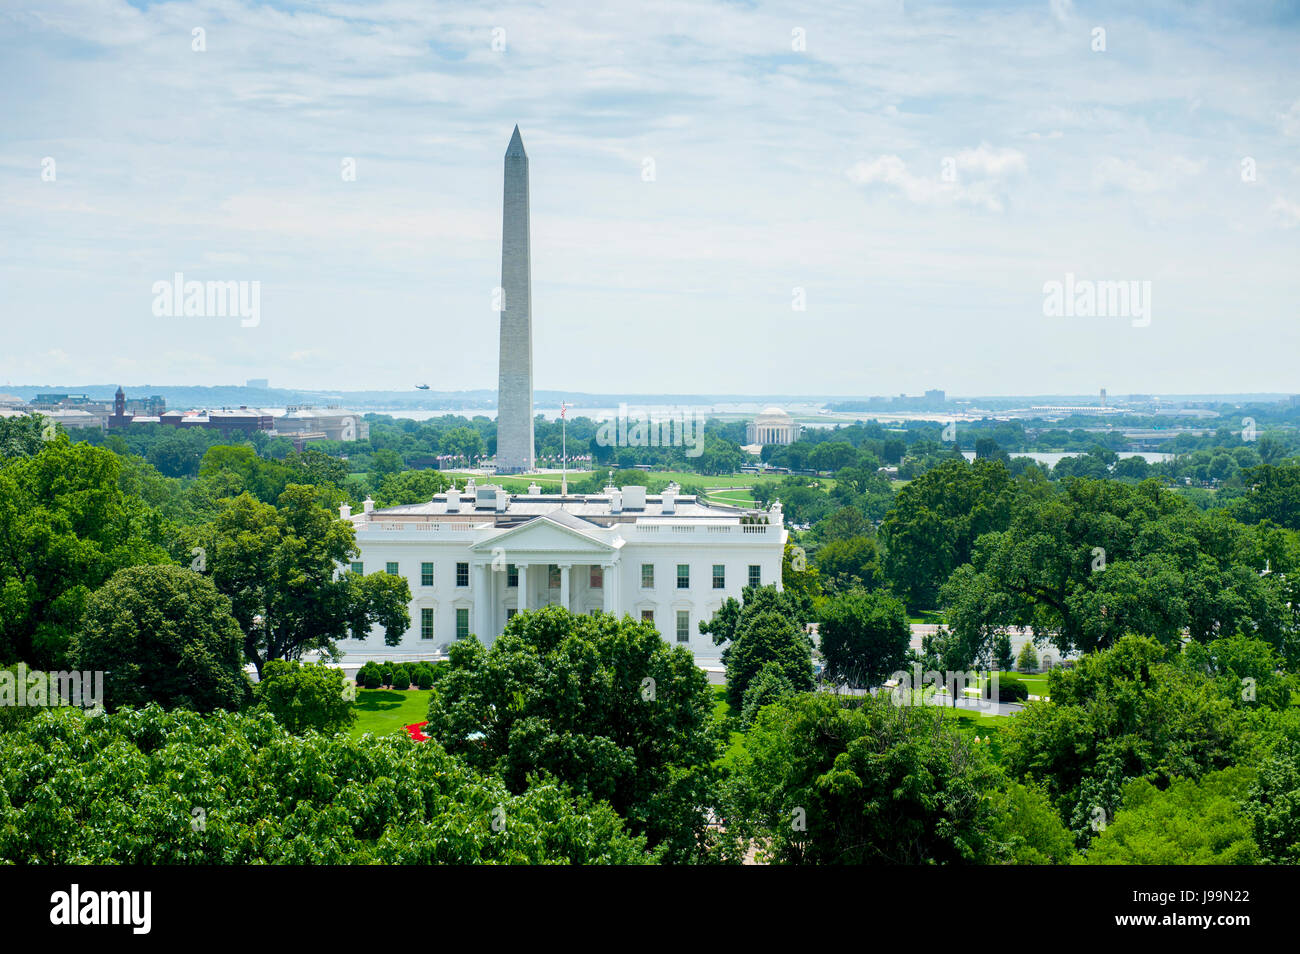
{"points": [[563, 408]]}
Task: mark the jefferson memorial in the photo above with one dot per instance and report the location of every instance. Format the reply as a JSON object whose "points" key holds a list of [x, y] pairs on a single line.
{"points": [[773, 426]]}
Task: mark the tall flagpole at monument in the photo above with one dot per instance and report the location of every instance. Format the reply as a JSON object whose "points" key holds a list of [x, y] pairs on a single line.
{"points": [[515, 386], [564, 451]]}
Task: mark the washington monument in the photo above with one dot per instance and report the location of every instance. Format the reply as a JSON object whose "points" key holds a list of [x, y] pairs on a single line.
{"points": [[515, 388]]}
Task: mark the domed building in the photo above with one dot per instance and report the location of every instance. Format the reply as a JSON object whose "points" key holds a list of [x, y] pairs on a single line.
{"points": [[773, 426]]}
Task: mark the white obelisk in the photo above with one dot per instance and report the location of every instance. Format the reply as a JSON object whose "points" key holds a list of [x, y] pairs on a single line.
{"points": [[515, 388]]}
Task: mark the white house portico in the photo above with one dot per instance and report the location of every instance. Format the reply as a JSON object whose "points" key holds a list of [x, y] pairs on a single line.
{"points": [[476, 557]]}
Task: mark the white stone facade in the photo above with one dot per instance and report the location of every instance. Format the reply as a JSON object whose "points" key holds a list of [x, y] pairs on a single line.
{"points": [[475, 557], [773, 426]]}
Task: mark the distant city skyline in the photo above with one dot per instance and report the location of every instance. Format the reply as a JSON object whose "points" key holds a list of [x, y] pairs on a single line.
{"points": [[874, 197]]}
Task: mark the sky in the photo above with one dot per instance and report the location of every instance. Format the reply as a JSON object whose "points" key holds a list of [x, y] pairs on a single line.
{"points": [[848, 198]]}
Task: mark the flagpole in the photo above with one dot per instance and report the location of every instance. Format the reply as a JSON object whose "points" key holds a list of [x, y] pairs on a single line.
{"points": [[564, 452]]}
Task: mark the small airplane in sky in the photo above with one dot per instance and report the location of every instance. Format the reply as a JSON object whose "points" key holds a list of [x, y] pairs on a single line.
{"points": [[422, 387]]}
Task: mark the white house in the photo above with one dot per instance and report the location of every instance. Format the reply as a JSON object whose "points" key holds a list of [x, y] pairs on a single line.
{"points": [[476, 557]]}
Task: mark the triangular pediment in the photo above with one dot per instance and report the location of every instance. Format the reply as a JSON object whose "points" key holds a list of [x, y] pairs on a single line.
{"points": [[545, 534]]}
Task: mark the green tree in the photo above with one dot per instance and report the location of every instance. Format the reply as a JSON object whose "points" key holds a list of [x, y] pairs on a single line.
{"points": [[1273, 805], [1028, 828], [410, 486], [847, 563], [830, 780], [602, 705], [162, 634], [864, 637], [1192, 822], [936, 520], [66, 526], [281, 566], [1002, 656], [764, 689], [152, 787], [1027, 661], [1127, 712], [761, 630], [302, 697]]}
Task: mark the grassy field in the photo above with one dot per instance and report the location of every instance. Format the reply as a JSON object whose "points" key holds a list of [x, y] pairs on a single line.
{"points": [[382, 711], [722, 709], [1037, 683], [925, 616], [553, 480], [732, 498]]}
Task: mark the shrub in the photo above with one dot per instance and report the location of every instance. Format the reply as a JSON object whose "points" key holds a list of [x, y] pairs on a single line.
{"points": [[768, 686], [370, 676], [401, 677], [424, 677], [1011, 689], [305, 697]]}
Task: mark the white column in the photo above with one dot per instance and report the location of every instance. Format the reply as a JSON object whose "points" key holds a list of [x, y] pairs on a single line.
{"points": [[564, 584], [480, 594], [494, 601], [523, 585]]}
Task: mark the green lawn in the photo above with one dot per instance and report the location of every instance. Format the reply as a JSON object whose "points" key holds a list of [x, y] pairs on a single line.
{"points": [[722, 709], [382, 711], [732, 498], [925, 616]]}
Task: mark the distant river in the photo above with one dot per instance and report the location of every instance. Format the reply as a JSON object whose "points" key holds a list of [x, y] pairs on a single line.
{"points": [[1052, 459]]}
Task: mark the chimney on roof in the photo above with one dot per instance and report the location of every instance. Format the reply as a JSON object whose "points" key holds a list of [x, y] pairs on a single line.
{"points": [[453, 500], [368, 505], [668, 500], [345, 511]]}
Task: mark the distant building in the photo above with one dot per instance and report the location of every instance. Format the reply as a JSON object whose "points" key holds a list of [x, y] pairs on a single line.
{"points": [[935, 396], [240, 420], [138, 411], [773, 426], [307, 423]]}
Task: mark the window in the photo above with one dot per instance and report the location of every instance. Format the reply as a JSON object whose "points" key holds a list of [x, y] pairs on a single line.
{"points": [[553, 576], [719, 576], [596, 580], [462, 574], [755, 576], [647, 576], [511, 612], [426, 624], [358, 567], [390, 569], [683, 576], [462, 623], [426, 574], [683, 626], [512, 575], [648, 616]]}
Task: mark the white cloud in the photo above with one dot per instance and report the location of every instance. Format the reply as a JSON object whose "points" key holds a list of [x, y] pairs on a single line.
{"points": [[973, 170]]}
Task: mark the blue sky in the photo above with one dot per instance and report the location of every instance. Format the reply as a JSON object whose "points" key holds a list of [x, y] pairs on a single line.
{"points": [[918, 170]]}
